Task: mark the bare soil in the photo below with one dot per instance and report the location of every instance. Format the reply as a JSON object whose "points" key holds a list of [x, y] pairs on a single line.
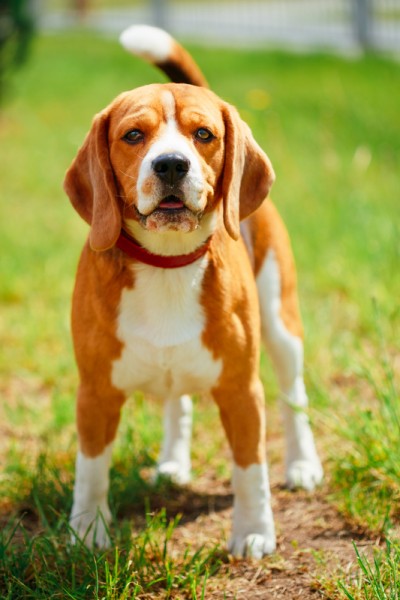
{"points": [[314, 542]]}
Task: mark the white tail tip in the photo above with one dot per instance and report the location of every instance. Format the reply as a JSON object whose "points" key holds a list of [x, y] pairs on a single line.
{"points": [[151, 43]]}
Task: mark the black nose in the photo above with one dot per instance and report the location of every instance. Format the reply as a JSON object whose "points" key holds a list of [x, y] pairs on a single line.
{"points": [[171, 167]]}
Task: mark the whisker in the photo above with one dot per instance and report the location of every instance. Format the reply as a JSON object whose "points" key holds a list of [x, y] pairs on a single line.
{"points": [[130, 197], [127, 174]]}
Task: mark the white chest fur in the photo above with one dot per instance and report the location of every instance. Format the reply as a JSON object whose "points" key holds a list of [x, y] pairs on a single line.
{"points": [[160, 323]]}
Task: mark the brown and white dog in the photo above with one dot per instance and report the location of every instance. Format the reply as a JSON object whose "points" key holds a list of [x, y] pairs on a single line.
{"points": [[172, 291]]}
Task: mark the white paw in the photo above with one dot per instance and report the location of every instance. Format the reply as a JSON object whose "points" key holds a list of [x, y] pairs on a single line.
{"points": [[175, 471], [90, 528], [253, 531], [305, 474], [253, 545]]}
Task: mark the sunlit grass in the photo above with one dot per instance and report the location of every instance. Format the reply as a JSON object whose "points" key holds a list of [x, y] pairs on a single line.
{"points": [[367, 476], [378, 578], [47, 566]]}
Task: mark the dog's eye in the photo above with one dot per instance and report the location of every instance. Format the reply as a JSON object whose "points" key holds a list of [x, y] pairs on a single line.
{"points": [[203, 135], [134, 136]]}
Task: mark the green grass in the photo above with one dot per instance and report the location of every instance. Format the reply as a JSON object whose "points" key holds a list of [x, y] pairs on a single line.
{"points": [[378, 577], [48, 566], [367, 477], [332, 131]]}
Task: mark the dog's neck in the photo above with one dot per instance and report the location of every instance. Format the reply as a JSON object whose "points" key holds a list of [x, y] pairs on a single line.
{"points": [[130, 246], [173, 243]]}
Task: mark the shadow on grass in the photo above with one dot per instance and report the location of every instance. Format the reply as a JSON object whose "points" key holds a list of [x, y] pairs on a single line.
{"points": [[40, 498], [130, 501]]}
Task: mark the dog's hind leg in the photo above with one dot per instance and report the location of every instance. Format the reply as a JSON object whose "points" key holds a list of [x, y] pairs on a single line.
{"points": [[282, 334], [174, 461]]}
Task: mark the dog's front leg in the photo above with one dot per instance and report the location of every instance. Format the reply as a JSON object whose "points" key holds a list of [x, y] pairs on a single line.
{"points": [[97, 424], [90, 513], [243, 417], [174, 461]]}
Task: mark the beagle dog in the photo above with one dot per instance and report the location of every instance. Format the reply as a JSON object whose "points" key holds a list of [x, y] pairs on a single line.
{"points": [[186, 265]]}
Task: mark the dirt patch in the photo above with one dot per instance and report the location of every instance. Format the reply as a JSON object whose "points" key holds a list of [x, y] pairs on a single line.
{"points": [[314, 542]]}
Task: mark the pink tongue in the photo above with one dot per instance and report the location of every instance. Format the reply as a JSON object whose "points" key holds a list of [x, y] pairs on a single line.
{"points": [[171, 204]]}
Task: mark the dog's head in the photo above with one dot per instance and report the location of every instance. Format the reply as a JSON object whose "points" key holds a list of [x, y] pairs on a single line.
{"points": [[164, 156]]}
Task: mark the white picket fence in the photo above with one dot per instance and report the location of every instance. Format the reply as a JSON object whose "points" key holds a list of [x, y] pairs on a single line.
{"points": [[343, 25]]}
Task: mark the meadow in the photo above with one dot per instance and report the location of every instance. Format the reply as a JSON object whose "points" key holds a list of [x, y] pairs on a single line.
{"points": [[331, 127]]}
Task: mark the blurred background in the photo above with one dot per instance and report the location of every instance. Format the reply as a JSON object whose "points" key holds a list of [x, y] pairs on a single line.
{"points": [[339, 24], [343, 25]]}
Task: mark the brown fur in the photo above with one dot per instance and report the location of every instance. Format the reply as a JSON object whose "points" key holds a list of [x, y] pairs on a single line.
{"points": [[100, 280], [181, 68], [232, 334]]}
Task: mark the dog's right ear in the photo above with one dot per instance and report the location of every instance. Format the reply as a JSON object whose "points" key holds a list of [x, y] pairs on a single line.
{"points": [[90, 185]]}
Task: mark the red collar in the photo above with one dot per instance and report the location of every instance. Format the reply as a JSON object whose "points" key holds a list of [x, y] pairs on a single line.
{"points": [[130, 246]]}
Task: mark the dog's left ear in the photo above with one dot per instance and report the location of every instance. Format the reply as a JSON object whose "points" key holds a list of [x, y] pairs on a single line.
{"points": [[90, 185], [248, 174]]}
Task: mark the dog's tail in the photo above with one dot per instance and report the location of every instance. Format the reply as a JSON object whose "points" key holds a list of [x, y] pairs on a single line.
{"points": [[159, 48]]}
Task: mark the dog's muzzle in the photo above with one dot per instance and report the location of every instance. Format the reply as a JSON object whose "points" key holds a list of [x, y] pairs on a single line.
{"points": [[174, 210]]}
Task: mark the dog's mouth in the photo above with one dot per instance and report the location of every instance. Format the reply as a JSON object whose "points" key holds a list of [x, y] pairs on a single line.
{"points": [[171, 214], [171, 203]]}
